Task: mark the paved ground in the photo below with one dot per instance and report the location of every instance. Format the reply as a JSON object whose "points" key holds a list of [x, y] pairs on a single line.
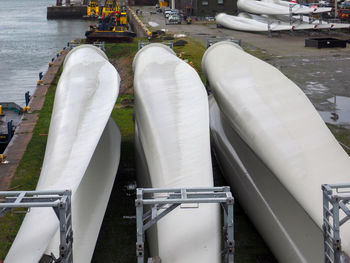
{"points": [[322, 74], [285, 44]]}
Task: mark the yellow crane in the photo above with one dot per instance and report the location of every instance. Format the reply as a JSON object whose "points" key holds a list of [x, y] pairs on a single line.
{"points": [[110, 7], [93, 9], [112, 25]]}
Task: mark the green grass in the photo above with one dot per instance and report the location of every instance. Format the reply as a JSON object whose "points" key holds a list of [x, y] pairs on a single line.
{"points": [[192, 51], [121, 49], [28, 171], [117, 238], [259, 53], [116, 242], [342, 134]]}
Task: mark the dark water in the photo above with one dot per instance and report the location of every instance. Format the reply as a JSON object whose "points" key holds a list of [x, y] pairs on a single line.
{"points": [[28, 41]]}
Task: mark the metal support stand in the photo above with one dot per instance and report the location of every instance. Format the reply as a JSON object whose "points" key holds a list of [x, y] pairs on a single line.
{"points": [[336, 199], [100, 45], [269, 29], [291, 14], [212, 41], [60, 201], [141, 44], [163, 201]]}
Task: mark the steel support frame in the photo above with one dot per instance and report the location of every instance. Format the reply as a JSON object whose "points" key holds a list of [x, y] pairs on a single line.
{"points": [[167, 199], [336, 199], [212, 41], [60, 201], [100, 45], [141, 44]]}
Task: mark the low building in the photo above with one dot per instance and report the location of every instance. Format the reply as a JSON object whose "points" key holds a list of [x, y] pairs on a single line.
{"points": [[206, 7]]}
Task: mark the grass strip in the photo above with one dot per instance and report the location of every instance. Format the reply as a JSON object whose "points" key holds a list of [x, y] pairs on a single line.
{"points": [[117, 238], [28, 170]]}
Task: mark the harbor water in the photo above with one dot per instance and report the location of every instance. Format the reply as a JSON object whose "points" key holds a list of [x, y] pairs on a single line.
{"points": [[28, 42]]}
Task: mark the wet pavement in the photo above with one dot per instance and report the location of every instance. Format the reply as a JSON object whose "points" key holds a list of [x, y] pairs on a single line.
{"points": [[326, 82], [321, 73], [339, 114]]}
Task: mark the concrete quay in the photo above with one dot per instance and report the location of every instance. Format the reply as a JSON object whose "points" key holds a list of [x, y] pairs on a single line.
{"points": [[23, 134]]}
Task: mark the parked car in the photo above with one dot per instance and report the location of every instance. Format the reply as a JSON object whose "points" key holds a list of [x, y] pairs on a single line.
{"points": [[173, 19], [168, 13]]}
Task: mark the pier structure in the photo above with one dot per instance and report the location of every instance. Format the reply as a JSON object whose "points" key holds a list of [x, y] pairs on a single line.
{"points": [[67, 9], [69, 2]]}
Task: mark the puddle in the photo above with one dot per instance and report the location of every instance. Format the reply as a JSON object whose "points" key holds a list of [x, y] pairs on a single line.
{"points": [[313, 87], [319, 77], [340, 111]]}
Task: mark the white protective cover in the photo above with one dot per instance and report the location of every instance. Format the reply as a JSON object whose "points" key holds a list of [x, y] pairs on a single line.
{"points": [[247, 24], [276, 151], [276, 7], [173, 142], [82, 154]]}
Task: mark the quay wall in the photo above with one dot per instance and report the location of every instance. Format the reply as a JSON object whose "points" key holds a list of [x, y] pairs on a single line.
{"points": [[138, 27], [23, 134]]}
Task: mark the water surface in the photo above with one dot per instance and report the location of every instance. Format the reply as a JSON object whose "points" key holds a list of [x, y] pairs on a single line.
{"points": [[28, 41]]}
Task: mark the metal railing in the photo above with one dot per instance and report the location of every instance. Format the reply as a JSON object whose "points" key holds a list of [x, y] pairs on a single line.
{"points": [[165, 200], [100, 45], [60, 201], [141, 44], [336, 212], [212, 41]]}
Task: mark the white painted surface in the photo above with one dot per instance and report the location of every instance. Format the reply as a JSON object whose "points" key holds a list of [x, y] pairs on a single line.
{"points": [[85, 97], [173, 149], [284, 135]]}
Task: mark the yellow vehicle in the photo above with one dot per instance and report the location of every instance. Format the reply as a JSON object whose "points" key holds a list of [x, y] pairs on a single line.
{"points": [[110, 7], [113, 28], [163, 4], [123, 19], [93, 9]]}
